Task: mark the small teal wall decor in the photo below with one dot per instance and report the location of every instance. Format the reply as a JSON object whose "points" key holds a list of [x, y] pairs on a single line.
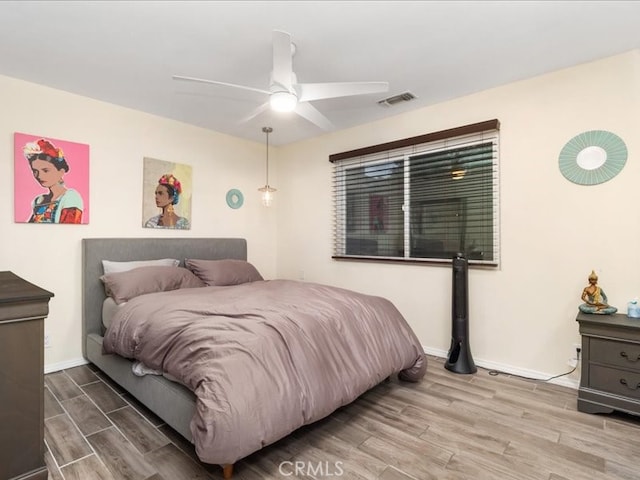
{"points": [[592, 157], [235, 199]]}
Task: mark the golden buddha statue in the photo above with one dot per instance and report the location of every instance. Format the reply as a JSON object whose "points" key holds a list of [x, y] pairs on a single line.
{"points": [[594, 298]]}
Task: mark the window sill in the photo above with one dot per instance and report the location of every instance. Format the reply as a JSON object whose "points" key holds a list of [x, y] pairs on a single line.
{"points": [[412, 261]]}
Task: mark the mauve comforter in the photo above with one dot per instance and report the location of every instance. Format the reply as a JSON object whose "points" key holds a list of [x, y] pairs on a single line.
{"points": [[265, 358]]}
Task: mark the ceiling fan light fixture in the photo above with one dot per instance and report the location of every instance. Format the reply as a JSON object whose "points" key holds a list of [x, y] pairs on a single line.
{"points": [[284, 92], [283, 101]]}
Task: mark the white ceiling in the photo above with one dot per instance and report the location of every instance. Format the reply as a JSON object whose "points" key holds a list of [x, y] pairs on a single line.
{"points": [[125, 52]]}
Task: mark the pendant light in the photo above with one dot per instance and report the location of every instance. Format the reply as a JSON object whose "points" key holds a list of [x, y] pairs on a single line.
{"points": [[267, 190]]}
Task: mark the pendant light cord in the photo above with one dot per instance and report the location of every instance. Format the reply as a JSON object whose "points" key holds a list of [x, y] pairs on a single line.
{"points": [[267, 131]]}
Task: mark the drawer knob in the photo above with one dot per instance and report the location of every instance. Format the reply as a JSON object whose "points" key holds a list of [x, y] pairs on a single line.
{"points": [[624, 382], [624, 354]]}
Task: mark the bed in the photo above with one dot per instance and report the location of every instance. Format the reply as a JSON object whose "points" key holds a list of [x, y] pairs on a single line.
{"points": [[260, 362]]}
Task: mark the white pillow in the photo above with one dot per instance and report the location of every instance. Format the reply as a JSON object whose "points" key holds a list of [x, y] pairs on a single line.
{"points": [[109, 309], [115, 267]]}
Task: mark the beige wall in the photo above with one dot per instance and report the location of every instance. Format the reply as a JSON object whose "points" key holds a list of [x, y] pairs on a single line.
{"points": [[119, 139], [521, 315], [553, 232]]}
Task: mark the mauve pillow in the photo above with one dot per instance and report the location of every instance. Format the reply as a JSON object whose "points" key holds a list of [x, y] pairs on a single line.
{"points": [[123, 286], [223, 272]]}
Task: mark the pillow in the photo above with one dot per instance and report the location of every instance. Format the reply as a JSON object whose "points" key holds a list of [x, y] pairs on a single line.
{"points": [[223, 272], [109, 309], [123, 286], [112, 267]]}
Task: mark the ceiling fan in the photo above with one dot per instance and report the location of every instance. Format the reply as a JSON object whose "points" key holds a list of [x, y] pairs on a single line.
{"points": [[286, 94]]}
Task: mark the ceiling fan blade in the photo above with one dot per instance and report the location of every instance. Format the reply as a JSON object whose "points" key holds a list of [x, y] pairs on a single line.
{"points": [[233, 85], [317, 91], [308, 111], [282, 73], [254, 113]]}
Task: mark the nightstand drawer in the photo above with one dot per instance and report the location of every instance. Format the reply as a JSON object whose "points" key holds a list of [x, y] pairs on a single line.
{"points": [[619, 354], [616, 381]]}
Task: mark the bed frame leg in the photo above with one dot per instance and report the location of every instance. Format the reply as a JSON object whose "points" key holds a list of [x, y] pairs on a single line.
{"points": [[227, 471]]}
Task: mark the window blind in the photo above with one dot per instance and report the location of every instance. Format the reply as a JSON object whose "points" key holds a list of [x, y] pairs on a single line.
{"points": [[420, 199]]}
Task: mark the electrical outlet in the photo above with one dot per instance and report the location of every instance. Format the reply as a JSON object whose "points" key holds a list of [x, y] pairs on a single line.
{"points": [[47, 340], [575, 357]]}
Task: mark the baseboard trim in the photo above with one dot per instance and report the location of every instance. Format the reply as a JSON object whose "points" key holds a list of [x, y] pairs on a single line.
{"points": [[489, 365], [56, 367]]}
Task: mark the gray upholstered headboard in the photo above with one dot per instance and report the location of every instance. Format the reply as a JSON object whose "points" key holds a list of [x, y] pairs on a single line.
{"points": [[94, 250]]}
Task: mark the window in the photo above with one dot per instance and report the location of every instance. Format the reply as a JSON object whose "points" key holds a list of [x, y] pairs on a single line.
{"points": [[424, 198]]}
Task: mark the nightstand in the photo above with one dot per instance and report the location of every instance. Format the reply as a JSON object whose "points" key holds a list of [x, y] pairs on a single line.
{"points": [[610, 377], [23, 307]]}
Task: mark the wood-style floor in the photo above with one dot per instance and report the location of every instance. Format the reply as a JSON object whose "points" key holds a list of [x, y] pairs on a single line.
{"points": [[446, 427]]}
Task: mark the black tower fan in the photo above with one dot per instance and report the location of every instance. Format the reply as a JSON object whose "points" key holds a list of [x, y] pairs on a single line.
{"points": [[459, 359]]}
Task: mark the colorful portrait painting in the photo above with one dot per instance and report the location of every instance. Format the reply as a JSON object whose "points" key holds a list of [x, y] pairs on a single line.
{"points": [[51, 180], [166, 195]]}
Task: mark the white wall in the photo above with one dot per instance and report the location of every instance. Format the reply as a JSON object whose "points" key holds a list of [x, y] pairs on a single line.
{"points": [[119, 139], [553, 232], [521, 315]]}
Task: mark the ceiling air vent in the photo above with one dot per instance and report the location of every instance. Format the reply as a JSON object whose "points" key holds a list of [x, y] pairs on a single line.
{"points": [[403, 97]]}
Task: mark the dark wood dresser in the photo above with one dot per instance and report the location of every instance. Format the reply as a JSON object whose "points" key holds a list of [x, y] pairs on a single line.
{"points": [[610, 377], [23, 307]]}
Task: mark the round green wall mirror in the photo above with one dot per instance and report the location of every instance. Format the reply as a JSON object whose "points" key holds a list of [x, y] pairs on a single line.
{"points": [[235, 199], [592, 157]]}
